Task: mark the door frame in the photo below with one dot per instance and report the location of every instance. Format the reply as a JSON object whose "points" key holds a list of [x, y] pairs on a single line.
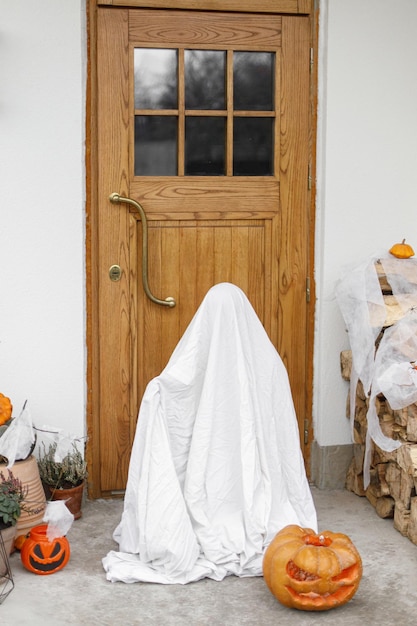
{"points": [[287, 7]]}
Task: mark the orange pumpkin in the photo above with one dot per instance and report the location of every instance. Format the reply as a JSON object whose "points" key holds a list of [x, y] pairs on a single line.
{"points": [[19, 541], [41, 556], [6, 409], [402, 250], [312, 572]]}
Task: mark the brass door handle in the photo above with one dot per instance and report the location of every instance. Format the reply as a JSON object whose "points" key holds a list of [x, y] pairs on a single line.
{"points": [[116, 198]]}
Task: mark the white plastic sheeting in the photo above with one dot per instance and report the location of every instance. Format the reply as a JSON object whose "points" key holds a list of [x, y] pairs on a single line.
{"points": [[18, 439], [389, 368], [58, 518], [216, 468]]}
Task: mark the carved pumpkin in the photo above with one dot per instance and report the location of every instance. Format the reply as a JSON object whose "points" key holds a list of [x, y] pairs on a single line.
{"points": [[312, 572], [41, 556], [6, 409], [402, 250]]}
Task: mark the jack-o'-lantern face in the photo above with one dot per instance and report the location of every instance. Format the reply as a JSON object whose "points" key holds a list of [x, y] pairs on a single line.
{"points": [[41, 556], [312, 572]]}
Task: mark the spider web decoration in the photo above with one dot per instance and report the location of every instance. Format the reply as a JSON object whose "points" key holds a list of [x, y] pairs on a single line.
{"points": [[384, 364]]}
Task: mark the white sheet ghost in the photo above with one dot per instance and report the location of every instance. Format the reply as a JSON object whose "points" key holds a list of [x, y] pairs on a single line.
{"points": [[216, 468]]}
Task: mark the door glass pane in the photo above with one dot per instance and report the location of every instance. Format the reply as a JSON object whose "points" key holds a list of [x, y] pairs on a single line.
{"points": [[155, 145], [253, 146], [253, 81], [156, 136], [204, 79], [156, 79], [205, 146]]}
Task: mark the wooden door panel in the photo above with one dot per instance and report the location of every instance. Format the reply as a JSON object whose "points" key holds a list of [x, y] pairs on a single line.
{"points": [[114, 323], [174, 198], [293, 7], [204, 29], [249, 230], [187, 258], [294, 213]]}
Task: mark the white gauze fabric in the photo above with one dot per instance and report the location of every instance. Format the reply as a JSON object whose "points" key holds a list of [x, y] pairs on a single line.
{"points": [[385, 369], [216, 468]]}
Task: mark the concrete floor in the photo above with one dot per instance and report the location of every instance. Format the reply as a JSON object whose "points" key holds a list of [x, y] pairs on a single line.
{"points": [[80, 595]]}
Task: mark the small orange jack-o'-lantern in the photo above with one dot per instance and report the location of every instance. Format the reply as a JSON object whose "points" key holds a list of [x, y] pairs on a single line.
{"points": [[41, 556], [312, 572]]}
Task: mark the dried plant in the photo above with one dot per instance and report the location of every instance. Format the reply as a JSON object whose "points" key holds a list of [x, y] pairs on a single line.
{"points": [[64, 474]]}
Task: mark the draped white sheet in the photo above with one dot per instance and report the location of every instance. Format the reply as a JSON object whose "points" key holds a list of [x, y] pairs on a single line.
{"points": [[216, 468]]}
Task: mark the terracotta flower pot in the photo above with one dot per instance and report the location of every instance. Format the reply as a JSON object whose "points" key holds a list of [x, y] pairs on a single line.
{"points": [[73, 497], [28, 473]]}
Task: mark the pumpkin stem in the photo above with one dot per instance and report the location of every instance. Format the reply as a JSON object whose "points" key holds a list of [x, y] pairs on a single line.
{"points": [[317, 540], [403, 242]]}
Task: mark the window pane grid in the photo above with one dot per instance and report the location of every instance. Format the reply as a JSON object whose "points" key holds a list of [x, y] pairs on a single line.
{"points": [[241, 87]]}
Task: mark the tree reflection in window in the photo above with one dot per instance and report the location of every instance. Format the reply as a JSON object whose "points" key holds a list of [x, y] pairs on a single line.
{"points": [[249, 108], [253, 81], [205, 79], [156, 78]]}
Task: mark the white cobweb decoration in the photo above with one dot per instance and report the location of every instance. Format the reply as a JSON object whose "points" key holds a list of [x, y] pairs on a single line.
{"points": [[389, 368]]}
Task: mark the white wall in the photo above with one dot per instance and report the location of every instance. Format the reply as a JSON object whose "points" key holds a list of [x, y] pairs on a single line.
{"points": [[367, 196], [42, 301], [367, 193]]}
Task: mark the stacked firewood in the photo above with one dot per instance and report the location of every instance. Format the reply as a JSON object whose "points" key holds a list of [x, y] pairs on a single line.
{"points": [[393, 475]]}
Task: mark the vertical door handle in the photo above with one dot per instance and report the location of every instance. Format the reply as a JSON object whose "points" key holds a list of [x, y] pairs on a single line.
{"points": [[115, 198]]}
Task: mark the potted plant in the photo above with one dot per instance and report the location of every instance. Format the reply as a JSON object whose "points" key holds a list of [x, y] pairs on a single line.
{"points": [[12, 497], [17, 442], [63, 478]]}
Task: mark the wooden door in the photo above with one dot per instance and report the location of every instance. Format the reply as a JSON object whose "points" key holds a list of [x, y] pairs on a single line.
{"points": [[220, 206]]}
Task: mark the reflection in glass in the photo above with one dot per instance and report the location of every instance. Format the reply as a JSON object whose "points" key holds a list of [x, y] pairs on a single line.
{"points": [[156, 82], [155, 145], [204, 79], [205, 146], [253, 146], [253, 81]]}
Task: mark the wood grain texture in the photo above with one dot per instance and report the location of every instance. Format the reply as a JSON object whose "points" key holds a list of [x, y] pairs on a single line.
{"points": [[113, 236], [260, 6], [186, 258], [221, 31], [252, 231], [293, 247]]}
